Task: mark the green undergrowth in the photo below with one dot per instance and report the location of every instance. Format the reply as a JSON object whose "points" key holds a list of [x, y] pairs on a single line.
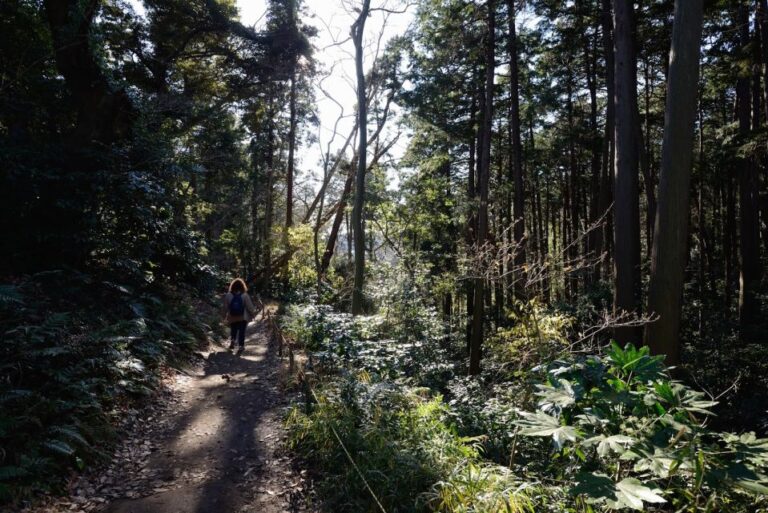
{"points": [[542, 429], [76, 351], [404, 448], [624, 435]]}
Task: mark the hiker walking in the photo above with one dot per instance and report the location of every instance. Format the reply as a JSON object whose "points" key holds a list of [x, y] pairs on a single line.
{"points": [[238, 309]]}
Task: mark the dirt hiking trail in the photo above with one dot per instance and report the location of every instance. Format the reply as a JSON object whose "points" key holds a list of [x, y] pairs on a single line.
{"points": [[214, 447]]}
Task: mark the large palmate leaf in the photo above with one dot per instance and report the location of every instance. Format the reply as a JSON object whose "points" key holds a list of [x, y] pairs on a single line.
{"points": [[696, 402], [606, 445], [744, 477], [661, 463], [555, 398], [631, 493], [596, 487], [636, 362], [753, 485], [748, 447], [541, 424], [627, 493]]}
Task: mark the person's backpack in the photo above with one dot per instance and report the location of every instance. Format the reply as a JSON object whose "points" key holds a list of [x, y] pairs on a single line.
{"points": [[236, 306]]}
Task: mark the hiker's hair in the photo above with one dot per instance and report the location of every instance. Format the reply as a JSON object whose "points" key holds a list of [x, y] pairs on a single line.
{"points": [[238, 285]]}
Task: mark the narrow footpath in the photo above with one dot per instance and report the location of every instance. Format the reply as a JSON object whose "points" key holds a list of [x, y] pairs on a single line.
{"points": [[215, 448]]}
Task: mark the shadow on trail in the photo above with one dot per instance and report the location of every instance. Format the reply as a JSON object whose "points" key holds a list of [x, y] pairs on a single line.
{"points": [[214, 458]]}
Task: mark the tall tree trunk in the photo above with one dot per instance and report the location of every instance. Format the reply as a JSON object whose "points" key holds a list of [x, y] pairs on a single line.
{"points": [[358, 30], [483, 178], [319, 221], [516, 158], [547, 273], [256, 242], [705, 253], [269, 207], [644, 149], [594, 242], [669, 254], [450, 244], [609, 147], [762, 20], [571, 211], [626, 207], [500, 236], [729, 239], [474, 159], [291, 152], [104, 115], [749, 246], [341, 209]]}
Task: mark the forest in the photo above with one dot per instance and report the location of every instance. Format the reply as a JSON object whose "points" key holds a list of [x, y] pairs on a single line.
{"points": [[519, 264]]}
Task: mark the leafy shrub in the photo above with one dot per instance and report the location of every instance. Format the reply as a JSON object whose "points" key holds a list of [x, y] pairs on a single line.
{"points": [[588, 308], [478, 488], [69, 365], [320, 327], [535, 335], [301, 273], [724, 363], [398, 438], [340, 340], [486, 405], [406, 307], [487, 412], [626, 435]]}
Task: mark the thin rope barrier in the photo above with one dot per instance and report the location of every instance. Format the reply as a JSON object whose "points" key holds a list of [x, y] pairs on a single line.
{"points": [[351, 460]]}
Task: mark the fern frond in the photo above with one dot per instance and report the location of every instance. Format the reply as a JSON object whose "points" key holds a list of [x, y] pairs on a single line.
{"points": [[70, 433], [35, 464], [10, 294], [17, 393], [49, 352], [59, 447], [12, 472], [5, 493], [57, 320]]}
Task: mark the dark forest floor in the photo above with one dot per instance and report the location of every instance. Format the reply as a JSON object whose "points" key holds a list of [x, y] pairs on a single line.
{"points": [[214, 444]]}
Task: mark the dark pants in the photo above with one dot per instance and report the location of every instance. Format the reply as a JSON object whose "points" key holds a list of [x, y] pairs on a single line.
{"points": [[237, 332]]}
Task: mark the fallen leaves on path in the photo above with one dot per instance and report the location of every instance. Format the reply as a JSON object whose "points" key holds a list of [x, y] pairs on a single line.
{"points": [[179, 444]]}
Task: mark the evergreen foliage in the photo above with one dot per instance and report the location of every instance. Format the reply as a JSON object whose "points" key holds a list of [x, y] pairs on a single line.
{"points": [[525, 183], [621, 433], [71, 366]]}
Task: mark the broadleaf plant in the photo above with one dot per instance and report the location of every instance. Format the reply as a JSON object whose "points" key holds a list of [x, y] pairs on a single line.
{"points": [[631, 437]]}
